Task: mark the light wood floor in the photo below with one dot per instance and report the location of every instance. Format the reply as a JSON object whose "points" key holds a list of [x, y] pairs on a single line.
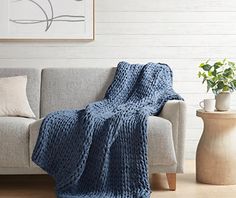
{"points": [[43, 187]]}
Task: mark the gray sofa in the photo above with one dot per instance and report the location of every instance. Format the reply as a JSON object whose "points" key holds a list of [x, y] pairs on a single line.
{"points": [[51, 89]]}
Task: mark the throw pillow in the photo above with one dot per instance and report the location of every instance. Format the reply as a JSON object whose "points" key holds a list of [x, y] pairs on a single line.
{"points": [[13, 98]]}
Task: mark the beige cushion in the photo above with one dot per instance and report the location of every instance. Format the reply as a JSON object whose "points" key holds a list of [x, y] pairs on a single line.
{"points": [[13, 98], [14, 141]]}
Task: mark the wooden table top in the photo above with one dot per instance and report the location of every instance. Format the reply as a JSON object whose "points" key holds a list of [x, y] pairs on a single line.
{"points": [[216, 114]]}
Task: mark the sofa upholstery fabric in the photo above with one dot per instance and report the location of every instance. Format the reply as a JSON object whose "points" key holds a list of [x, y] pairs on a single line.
{"points": [[14, 141], [73, 88], [160, 142]]}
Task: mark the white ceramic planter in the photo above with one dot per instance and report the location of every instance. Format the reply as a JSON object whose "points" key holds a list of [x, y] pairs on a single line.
{"points": [[223, 101]]}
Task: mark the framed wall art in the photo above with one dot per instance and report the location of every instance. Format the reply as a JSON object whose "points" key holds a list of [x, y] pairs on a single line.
{"points": [[47, 19]]}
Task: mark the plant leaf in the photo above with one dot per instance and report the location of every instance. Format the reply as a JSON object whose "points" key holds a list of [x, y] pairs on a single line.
{"points": [[208, 88], [206, 67], [203, 81], [201, 65], [227, 72], [234, 82], [199, 74], [214, 73], [214, 91], [209, 73], [220, 85], [226, 88], [217, 65]]}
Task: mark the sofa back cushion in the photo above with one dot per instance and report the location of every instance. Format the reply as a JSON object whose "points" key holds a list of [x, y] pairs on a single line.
{"points": [[73, 88], [33, 84]]}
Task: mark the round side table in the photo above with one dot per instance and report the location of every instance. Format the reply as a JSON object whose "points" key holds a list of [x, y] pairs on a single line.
{"points": [[216, 151]]}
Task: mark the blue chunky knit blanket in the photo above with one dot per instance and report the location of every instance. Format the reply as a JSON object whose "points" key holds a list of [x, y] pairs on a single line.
{"points": [[101, 151]]}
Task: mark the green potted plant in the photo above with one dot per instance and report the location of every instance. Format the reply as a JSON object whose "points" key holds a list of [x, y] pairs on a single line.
{"points": [[220, 77]]}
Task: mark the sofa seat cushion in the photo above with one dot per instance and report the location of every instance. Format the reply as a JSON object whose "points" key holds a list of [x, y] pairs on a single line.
{"points": [[14, 141], [160, 141]]}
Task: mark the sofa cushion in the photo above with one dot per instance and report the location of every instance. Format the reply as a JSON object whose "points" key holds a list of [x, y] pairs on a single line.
{"points": [[73, 88], [160, 141], [33, 84], [14, 141]]}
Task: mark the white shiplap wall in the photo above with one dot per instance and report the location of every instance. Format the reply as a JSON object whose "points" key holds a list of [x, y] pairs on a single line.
{"points": [[180, 33]]}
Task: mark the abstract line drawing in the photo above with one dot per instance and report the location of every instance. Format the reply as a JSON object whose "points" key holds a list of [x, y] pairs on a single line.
{"points": [[47, 19], [50, 17]]}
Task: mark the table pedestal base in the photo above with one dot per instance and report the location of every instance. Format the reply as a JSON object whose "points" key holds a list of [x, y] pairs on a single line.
{"points": [[216, 152]]}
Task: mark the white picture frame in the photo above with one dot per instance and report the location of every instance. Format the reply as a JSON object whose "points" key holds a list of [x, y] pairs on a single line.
{"points": [[47, 19]]}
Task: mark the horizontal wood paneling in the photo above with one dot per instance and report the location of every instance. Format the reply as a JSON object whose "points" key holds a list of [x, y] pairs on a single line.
{"points": [[107, 62], [164, 17], [137, 41], [145, 52], [167, 28], [167, 5], [193, 134], [180, 33], [190, 149]]}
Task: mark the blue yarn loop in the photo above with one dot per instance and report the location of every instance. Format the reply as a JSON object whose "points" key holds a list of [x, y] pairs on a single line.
{"points": [[101, 151]]}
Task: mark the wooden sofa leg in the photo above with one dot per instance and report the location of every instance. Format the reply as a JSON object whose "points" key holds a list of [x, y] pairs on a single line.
{"points": [[171, 178]]}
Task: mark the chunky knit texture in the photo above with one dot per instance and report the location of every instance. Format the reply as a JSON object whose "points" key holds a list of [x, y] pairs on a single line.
{"points": [[101, 151]]}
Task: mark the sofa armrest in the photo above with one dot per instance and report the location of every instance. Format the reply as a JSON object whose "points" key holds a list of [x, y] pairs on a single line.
{"points": [[175, 112]]}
